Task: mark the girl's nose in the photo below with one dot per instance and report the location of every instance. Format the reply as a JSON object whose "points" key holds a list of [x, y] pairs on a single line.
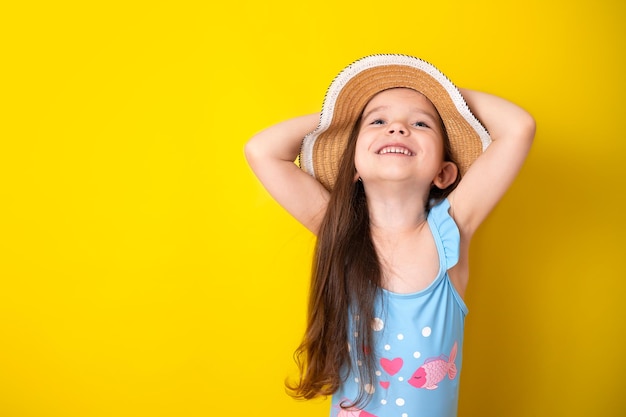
{"points": [[397, 128]]}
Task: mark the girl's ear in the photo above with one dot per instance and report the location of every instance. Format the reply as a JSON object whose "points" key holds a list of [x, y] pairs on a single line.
{"points": [[446, 176]]}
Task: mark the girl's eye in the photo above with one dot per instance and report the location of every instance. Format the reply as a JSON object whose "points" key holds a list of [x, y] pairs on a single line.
{"points": [[378, 122], [421, 124]]}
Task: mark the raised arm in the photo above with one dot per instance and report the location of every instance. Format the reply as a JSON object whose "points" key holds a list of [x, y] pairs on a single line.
{"points": [[271, 154], [512, 130]]}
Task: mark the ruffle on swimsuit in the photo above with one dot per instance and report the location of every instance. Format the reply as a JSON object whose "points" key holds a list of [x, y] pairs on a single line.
{"points": [[446, 234]]}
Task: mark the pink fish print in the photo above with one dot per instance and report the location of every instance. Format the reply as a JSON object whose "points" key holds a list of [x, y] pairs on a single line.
{"points": [[434, 371]]}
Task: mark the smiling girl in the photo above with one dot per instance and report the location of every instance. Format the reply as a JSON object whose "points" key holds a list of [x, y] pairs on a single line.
{"points": [[395, 176]]}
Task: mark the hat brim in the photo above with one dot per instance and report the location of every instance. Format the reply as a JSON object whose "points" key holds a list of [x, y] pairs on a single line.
{"points": [[354, 87]]}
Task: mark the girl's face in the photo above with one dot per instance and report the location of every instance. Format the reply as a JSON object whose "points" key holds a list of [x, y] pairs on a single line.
{"points": [[400, 137]]}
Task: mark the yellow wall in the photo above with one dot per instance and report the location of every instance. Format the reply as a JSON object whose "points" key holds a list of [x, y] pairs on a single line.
{"points": [[145, 272]]}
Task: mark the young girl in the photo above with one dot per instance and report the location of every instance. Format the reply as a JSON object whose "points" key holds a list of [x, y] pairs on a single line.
{"points": [[395, 176]]}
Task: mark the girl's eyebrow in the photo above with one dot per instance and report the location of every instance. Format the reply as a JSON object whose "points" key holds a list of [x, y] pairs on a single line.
{"points": [[414, 110], [375, 109], [423, 112]]}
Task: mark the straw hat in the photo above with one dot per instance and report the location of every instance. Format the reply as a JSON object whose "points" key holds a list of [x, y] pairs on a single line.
{"points": [[351, 90]]}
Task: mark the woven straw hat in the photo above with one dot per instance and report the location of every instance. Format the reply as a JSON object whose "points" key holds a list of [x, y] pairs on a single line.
{"points": [[352, 89]]}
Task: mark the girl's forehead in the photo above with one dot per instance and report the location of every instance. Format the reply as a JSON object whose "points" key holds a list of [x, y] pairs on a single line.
{"points": [[404, 97], [399, 94]]}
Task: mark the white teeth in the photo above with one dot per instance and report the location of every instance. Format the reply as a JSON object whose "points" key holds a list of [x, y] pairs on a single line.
{"points": [[395, 149]]}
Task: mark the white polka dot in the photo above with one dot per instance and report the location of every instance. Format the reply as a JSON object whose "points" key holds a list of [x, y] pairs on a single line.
{"points": [[405, 415], [356, 380], [383, 402], [416, 355], [360, 363], [400, 402], [369, 388], [400, 379], [426, 331], [356, 334], [387, 347], [400, 336], [378, 373], [377, 324]]}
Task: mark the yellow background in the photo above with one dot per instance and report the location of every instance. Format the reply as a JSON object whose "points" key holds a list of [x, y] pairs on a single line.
{"points": [[145, 272]]}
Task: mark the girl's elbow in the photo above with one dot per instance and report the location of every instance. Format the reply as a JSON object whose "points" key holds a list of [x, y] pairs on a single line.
{"points": [[531, 128], [252, 150], [248, 150], [527, 126]]}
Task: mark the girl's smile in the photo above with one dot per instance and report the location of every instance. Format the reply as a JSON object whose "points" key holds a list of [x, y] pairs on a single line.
{"points": [[395, 150]]}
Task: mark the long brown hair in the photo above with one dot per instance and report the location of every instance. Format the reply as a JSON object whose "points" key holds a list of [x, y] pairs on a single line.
{"points": [[346, 280]]}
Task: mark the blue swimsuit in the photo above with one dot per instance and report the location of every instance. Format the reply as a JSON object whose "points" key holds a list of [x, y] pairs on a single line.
{"points": [[418, 342]]}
